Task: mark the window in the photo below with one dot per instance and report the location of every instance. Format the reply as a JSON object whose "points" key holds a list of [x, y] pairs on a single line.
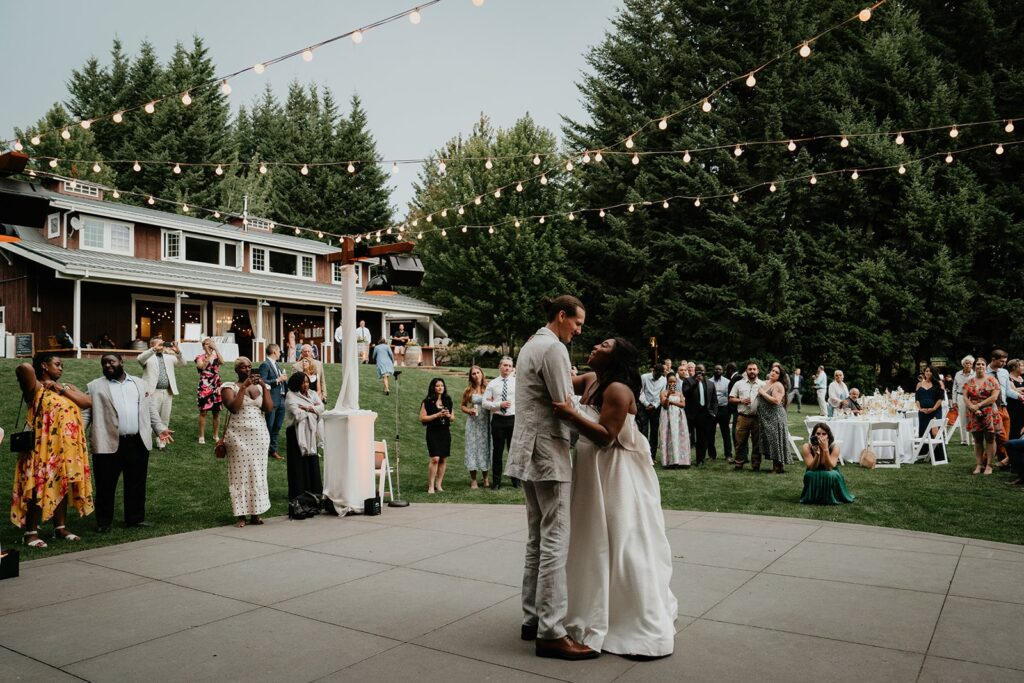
{"points": [[198, 250], [336, 273], [172, 245], [259, 260], [231, 255], [84, 189], [283, 264], [53, 225], [109, 236], [307, 266], [265, 260]]}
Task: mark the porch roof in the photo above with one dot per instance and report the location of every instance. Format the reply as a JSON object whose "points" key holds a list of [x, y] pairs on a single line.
{"points": [[196, 278]]}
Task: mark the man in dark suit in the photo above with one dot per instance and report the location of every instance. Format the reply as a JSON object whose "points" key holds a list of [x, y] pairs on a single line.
{"points": [[277, 382], [796, 387], [701, 409]]}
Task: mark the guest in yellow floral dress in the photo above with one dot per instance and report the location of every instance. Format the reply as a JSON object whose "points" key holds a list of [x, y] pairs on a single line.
{"points": [[57, 467]]}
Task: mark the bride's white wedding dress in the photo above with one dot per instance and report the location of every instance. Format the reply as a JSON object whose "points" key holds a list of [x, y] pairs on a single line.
{"points": [[620, 562]]}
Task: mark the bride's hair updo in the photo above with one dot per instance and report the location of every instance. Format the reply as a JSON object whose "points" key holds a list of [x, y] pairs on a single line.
{"points": [[621, 367]]}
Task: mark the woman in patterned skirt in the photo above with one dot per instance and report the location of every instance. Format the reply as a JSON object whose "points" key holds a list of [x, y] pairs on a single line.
{"points": [[674, 434], [478, 428], [983, 422], [771, 414], [248, 442], [208, 363]]}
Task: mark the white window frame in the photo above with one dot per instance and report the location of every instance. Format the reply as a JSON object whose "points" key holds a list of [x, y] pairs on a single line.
{"points": [[83, 189], [180, 258], [164, 235], [336, 273], [252, 259], [53, 226], [107, 225], [287, 252]]}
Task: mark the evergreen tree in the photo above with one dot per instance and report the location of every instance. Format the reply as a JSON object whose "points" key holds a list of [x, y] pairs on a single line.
{"points": [[360, 201], [81, 145]]}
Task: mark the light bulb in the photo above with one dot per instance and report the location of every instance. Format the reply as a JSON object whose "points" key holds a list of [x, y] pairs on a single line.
{"points": [[791, 146], [136, 167], [706, 105], [517, 223], [572, 216], [177, 169], [805, 50], [389, 230], [85, 123], [663, 124], [601, 213], [31, 173], [184, 207], [219, 170], [686, 157], [631, 208], [18, 146], [696, 202], [902, 169], [772, 188], [497, 193], [543, 179], [96, 168], [414, 17], [864, 14], [478, 3], [444, 213], [814, 180], [737, 150], [150, 107], [151, 201], [953, 132], [430, 219], [118, 116], [568, 165], [462, 210], [53, 163], [536, 160], [186, 99], [263, 169], [259, 67], [442, 167], [629, 142], [854, 175], [225, 87], [415, 222], [490, 230], [1009, 127], [307, 55], [735, 198], [116, 195], [488, 164], [304, 170], [350, 168], [477, 200], [419, 235], [66, 134], [598, 157], [999, 149], [357, 37], [636, 158], [35, 140], [664, 204], [949, 158], [751, 81], [844, 142], [394, 168], [542, 220], [519, 187], [297, 231], [899, 138], [464, 228]]}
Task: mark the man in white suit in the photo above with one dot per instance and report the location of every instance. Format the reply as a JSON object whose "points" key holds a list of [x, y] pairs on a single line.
{"points": [[158, 363], [119, 424], [539, 456]]}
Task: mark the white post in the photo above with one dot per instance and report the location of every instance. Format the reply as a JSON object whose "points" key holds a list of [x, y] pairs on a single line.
{"points": [[77, 318], [259, 320], [384, 326], [328, 334], [430, 331], [177, 317]]}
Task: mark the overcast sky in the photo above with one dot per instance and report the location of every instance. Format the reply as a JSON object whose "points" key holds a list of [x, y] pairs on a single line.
{"points": [[420, 85]]}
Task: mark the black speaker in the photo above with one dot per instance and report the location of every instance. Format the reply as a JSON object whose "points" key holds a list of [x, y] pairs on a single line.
{"points": [[371, 506], [404, 270]]}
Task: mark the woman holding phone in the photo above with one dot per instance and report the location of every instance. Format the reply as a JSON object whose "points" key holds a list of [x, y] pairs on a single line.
{"points": [[436, 414]]}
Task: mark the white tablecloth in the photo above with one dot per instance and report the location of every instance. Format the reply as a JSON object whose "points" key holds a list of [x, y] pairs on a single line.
{"points": [[853, 433], [189, 351], [348, 458]]}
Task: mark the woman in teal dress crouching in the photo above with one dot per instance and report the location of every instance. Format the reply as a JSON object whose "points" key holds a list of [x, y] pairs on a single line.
{"points": [[823, 483]]}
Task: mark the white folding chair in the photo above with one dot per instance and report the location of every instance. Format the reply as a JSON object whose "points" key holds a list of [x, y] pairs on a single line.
{"points": [[796, 448], [875, 442], [382, 469], [934, 435]]}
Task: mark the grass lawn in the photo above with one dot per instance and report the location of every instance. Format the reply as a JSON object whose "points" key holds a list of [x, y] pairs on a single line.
{"points": [[187, 487]]}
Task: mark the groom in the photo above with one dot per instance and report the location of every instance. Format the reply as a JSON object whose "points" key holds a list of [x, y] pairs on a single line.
{"points": [[539, 456]]}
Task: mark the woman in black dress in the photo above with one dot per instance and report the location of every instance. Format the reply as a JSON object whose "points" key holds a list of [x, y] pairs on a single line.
{"points": [[436, 414], [928, 394]]}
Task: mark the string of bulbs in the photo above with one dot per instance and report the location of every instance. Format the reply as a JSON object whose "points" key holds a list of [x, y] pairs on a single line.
{"points": [[414, 15], [813, 178]]}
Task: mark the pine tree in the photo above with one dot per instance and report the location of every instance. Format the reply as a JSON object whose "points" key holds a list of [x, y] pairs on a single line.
{"points": [[81, 145], [361, 200]]}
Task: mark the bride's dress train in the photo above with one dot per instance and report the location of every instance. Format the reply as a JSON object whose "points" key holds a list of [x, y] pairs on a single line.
{"points": [[620, 562]]}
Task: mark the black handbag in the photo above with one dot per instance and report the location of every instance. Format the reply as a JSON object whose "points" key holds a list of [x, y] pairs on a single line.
{"points": [[22, 441]]}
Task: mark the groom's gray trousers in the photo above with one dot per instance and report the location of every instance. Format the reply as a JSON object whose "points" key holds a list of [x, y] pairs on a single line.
{"points": [[544, 592]]}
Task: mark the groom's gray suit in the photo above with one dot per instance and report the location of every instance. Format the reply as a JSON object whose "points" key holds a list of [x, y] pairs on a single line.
{"points": [[539, 456]]}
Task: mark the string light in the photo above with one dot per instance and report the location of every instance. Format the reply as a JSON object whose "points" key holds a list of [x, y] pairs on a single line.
{"points": [[542, 219], [177, 169], [902, 169], [53, 163], [66, 134], [999, 149], [497, 193], [572, 216], [536, 160], [899, 138], [216, 214], [696, 202], [629, 142], [18, 146], [263, 169], [813, 180], [854, 175], [442, 168], [136, 167], [464, 228], [297, 231], [419, 236], [357, 36], [186, 99], [631, 208], [444, 214], [663, 124], [772, 188], [706, 105], [96, 168], [953, 132], [319, 235], [184, 207], [569, 166], [307, 55], [225, 87], [686, 157], [735, 198], [636, 158], [462, 211], [543, 179], [844, 142], [350, 168], [304, 170], [519, 187], [805, 50], [488, 164], [490, 230], [259, 68], [664, 204], [737, 151], [151, 201], [477, 200], [150, 107], [414, 16], [85, 124], [598, 157], [751, 81], [117, 195], [118, 116], [601, 213], [478, 3], [219, 170], [394, 168], [864, 14], [35, 140], [430, 219], [791, 146], [517, 223], [949, 158], [1009, 126]]}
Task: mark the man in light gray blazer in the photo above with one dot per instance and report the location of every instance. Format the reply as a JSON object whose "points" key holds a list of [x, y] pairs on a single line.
{"points": [[158, 363], [539, 456], [119, 424]]}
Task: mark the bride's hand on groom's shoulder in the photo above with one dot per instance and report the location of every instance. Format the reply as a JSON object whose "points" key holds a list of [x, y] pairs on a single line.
{"points": [[564, 409]]}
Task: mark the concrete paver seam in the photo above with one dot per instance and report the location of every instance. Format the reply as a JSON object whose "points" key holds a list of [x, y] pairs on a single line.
{"points": [[878, 547], [819, 637]]}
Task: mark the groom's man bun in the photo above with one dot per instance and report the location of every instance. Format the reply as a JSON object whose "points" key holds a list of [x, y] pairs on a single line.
{"points": [[565, 302]]}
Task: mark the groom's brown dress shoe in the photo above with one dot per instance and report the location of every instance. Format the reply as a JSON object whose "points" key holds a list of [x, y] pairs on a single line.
{"points": [[565, 648], [528, 632]]}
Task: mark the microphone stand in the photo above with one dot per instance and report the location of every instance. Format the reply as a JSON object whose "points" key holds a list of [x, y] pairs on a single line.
{"points": [[398, 502]]}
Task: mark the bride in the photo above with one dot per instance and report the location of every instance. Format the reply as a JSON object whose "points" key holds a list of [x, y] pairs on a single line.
{"points": [[619, 563]]}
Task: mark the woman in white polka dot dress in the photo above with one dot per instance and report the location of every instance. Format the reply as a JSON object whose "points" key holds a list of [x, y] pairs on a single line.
{"points": [[248, 443]]}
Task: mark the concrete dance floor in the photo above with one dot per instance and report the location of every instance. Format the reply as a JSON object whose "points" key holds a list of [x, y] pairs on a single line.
{"points": [[431, 593]]}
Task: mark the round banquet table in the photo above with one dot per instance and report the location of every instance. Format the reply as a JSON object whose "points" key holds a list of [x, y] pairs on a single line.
{"points": [[853, 433]]}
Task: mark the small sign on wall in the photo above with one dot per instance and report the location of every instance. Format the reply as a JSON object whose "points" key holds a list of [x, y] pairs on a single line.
{"points": [[24, 345]]}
